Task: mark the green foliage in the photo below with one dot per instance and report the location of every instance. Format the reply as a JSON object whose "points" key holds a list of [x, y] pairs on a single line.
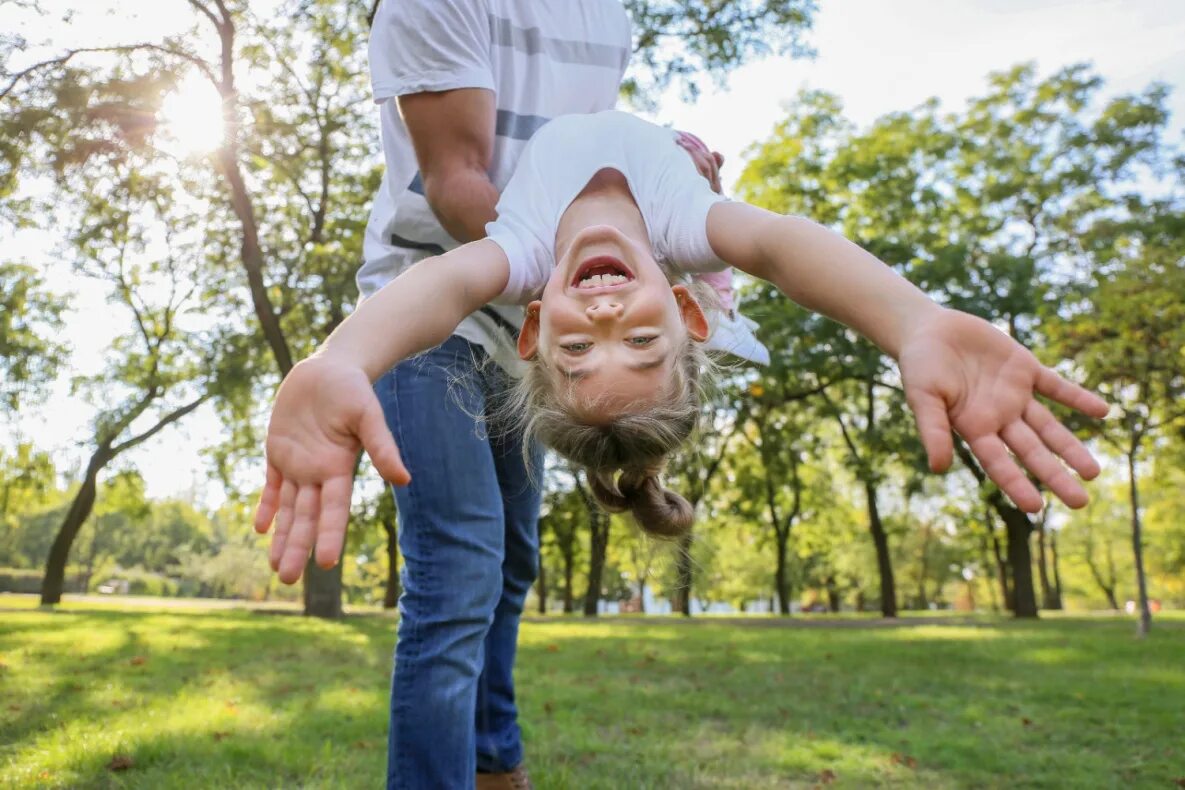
{"points": [[682, 40], [30, 355]]}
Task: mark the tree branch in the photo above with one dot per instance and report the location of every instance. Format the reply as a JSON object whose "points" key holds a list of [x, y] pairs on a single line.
{"points": [[61, 60], [167, 420]]}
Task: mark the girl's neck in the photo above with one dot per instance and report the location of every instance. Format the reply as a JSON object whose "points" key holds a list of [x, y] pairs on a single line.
{"points": [[605, 200]]}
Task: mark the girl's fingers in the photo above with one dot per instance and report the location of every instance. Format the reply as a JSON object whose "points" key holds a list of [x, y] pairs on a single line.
{"points": [[1058, 438], [269, 500], [1067, 393], [1035, 457], [300, 539], [380, 445], [335, 515], [1004, 472], [284, 517], [933, 427]]}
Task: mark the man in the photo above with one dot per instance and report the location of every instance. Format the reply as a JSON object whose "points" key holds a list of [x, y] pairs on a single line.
{"points": [[461, 86]]}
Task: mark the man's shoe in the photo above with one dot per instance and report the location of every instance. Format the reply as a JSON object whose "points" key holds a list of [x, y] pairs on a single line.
{"points": [[734, 335], [511, 780]]}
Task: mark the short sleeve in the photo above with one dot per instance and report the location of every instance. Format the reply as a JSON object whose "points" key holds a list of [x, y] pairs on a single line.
{"points": [[529, 259], [423, 46], [681, 201]]}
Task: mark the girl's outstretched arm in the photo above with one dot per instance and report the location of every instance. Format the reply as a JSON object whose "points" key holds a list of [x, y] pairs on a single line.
{"points": [[959, 371], [325, 409]]}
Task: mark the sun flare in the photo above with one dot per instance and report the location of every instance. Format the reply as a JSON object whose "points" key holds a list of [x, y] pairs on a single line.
{"points": [[191, 117]]}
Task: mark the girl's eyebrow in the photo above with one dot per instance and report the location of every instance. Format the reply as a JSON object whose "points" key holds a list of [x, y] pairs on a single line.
{"points": [[650, 364], [571, 375]]}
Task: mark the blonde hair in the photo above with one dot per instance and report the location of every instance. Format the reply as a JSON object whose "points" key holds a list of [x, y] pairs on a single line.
{"points": [[625, 456]]}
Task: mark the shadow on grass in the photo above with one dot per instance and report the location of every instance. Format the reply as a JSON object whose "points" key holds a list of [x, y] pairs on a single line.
{"points": [[294, 702], [266, 696]]}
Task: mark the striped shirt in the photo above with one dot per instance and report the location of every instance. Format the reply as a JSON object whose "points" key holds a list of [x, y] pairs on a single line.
{"points": [[541, 58]]}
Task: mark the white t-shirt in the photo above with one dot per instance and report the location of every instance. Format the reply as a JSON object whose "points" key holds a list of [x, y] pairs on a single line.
{"points": [[542, 59], [558, 163]]}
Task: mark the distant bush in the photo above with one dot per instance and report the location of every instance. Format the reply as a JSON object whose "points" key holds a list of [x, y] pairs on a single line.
{"points": [[28, 580]]}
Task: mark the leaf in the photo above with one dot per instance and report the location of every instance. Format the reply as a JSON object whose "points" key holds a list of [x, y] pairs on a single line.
{"points": [[137, 661], [553, 648], [826, 776], [1026, 721], [120, 762], [897, 758]]}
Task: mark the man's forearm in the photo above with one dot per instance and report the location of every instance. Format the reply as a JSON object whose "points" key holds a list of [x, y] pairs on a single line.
{"points": [[464, 200]]}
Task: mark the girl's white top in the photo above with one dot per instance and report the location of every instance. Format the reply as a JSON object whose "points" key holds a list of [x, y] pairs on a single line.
{"points": [[557, 165]]}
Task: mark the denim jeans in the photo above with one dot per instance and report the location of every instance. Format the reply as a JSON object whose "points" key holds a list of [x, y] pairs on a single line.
{"points": [[468, 532]]}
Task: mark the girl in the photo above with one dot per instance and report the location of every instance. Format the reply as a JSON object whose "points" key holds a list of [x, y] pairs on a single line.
{"points": [[600, 210]]}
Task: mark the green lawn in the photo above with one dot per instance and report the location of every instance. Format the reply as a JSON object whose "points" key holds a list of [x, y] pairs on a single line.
{"points": [[232, 698]]}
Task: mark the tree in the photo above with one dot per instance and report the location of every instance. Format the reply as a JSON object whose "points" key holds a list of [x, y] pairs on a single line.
{"points": [[777, 437], [876, 189], [681, 40], [598, 543], [29, 317], [1128, 338]]}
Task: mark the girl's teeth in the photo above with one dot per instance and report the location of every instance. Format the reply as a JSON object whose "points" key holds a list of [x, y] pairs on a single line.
{"points": [[598, 280]]}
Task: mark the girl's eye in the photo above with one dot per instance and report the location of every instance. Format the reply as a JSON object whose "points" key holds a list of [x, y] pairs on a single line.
{"points": [[576, 348], [641, 341]]}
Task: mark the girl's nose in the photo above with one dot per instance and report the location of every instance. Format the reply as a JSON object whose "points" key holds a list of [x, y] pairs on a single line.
{"points": [[604, 311]]}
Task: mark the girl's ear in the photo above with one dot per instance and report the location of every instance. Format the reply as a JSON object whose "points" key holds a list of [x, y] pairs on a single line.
{"points": [[693, 315], [528, 336]]}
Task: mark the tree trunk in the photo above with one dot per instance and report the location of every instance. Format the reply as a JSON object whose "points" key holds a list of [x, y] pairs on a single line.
{"points": [[323, 590], [682, 602], [987, 566], [781, 583], [1049, 598], [541, 585], [598, 542], [569, 569], [391, 595], [833, 602], [884, 562], [1145, 624], [80, 509], [1018, 529], [924, 570], [1057, 574], [1002, 573]]}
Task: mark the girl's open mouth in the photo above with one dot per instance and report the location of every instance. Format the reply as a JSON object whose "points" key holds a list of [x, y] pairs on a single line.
{"points": [[601, 271]]}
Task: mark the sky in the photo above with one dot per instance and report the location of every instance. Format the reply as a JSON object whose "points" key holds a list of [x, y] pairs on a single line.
{"points": [[877, 56]]}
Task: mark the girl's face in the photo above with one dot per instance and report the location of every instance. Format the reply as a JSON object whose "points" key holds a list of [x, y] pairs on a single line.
{"points": [[609, 325]]}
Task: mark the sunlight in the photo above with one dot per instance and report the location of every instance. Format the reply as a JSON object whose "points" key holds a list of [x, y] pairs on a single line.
{"points": [[191, 117]]}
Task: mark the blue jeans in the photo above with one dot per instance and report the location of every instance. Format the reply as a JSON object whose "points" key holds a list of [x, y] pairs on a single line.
{"points": [[468, 531]]}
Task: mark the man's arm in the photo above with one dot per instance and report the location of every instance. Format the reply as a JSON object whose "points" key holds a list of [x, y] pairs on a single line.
{"points": [[958, 371], [453, 135]]}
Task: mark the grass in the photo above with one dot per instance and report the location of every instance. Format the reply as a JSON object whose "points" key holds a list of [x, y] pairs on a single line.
{"points": [[235, 698]]}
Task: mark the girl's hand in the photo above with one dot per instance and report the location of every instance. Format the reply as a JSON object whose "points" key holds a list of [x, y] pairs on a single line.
{"points": [[961, 372], [325, 412]]}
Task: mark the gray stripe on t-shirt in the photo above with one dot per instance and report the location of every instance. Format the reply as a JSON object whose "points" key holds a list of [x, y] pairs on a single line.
{"points": [[531, 40], [518, 127]]}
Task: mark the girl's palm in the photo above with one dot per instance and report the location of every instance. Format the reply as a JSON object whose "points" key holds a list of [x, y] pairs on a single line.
{"points": [[960, 372]]}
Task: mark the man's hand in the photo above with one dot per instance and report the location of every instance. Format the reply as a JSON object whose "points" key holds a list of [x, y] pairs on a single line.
{"points": [[959, 371], [325, 412], [707, 161]]}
